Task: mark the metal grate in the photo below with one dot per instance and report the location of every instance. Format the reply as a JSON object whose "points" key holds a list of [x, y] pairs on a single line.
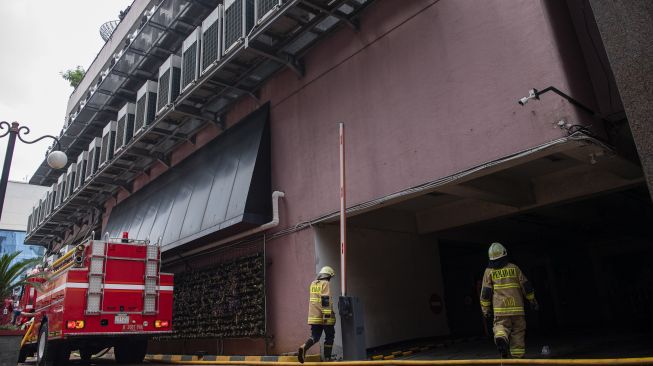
{"points": [[129, 128], [151, 108], [103, 150], [95, 282], [53, 201], [71, 183], [150, 286], [164, 91], [149, 304], [233, 24], [152, 252], [263, 7], [97, 249], [59, 194], [112, 143], [139, 121], [92, 163], [81, 173], [151, 269], [176, 79], [93, 303], [210, 45], [120, 134], [62, 192], [189, 65]]}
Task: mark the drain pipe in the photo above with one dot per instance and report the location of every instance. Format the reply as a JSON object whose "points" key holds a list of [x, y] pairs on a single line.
{"points": [[275, 221]]}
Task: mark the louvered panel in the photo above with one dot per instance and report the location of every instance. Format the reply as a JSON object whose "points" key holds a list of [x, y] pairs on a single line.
{"points": [[104, 148], [81, 173], [263, 7], [164, 90], [189, 65], [176, 80], [233, 24], [151, 108], [120, 132], [211, 45], [92, 162], [129, 128], [139, 120]]}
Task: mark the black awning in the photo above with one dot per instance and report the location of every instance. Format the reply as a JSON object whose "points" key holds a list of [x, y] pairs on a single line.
{"points": [[221, 189]]}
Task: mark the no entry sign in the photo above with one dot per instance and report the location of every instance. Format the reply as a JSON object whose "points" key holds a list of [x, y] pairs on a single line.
{"points": [[436, 304]]}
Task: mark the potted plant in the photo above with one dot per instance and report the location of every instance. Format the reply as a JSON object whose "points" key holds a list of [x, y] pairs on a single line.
{"points": [[11, 276]]}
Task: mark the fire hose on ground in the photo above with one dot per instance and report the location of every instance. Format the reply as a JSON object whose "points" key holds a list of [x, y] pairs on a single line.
{"points": [[604, 361]]}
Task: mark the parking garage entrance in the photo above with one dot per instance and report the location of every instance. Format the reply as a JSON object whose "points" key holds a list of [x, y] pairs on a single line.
{"points": [[589, 262], [580, 230]]}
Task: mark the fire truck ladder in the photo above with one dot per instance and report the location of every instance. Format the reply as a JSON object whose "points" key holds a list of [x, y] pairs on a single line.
{"points": [[152, 279], [96, 277]]}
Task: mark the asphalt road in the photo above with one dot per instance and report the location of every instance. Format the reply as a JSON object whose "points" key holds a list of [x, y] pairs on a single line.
{"points": [[106, 361]]}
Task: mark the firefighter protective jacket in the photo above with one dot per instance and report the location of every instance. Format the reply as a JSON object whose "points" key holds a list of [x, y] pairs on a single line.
{"points": [[503, 289], [320, 306]]}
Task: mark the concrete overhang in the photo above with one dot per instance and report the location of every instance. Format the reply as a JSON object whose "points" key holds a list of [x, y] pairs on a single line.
{"points": [[563, 170]]}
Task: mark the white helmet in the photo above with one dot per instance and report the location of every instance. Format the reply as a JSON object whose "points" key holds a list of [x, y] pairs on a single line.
{"points": [[497, 251], [326, 271]]}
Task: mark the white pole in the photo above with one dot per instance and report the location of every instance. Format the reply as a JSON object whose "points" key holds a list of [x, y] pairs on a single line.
{"points": [[343, 218]]}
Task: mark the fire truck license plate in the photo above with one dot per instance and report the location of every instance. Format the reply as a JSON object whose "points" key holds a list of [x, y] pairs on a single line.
{"points": [[121, 319]]}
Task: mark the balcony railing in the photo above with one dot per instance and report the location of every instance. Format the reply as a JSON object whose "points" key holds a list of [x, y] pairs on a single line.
{"points": [[278, 40]]}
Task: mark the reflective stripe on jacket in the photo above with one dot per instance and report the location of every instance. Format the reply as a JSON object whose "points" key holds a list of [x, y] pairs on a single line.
{"points": [[503, 291], [320, 304]]}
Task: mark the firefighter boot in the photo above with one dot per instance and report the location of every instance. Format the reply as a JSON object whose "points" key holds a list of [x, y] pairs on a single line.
{"points": [[327, 351], [301, 353], [502, 346]]}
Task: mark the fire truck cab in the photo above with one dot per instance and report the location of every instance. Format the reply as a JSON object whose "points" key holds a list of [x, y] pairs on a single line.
{"points": [[102, 293]]}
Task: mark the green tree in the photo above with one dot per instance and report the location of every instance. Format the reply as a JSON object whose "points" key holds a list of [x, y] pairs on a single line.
{"points": [[73, 76], [11, 274]]}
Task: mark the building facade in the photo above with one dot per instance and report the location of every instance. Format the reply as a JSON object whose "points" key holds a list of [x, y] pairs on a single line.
{"points": [[441, 160], [20, 197]]}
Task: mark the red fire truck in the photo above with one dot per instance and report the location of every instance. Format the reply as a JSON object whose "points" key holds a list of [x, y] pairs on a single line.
{"points": [[103, 293]]}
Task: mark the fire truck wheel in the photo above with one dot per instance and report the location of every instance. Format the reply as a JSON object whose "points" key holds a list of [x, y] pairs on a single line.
{"points": [[42, 356], [62, 356], [22, 356], [130, 351]]}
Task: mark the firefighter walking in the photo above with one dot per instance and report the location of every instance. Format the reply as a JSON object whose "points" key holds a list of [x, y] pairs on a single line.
{"points": [[321, 317], [502, 293]]}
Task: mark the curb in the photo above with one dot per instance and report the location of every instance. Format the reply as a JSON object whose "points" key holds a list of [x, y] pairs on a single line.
{"points": [[182, 358], [392, 355]]}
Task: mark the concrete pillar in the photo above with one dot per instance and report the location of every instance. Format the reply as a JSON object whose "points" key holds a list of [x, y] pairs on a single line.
{"points": [[626, 28]]}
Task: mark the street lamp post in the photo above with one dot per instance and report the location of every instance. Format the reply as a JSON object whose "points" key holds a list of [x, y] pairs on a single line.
{"points": [[57, 159]]}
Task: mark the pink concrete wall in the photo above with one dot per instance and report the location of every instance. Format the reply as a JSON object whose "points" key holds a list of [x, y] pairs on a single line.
{"points": [[425, 90], [291, 269]]}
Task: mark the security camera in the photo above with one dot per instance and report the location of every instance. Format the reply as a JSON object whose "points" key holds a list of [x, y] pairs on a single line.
{"points": [[532, 94]]}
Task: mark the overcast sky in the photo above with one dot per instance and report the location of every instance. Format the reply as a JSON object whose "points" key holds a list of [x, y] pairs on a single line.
{"points": [[39, 39]]}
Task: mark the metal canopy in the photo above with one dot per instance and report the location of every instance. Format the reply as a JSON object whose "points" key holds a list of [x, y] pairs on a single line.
{"points": [[277, 41], [222, 188]]}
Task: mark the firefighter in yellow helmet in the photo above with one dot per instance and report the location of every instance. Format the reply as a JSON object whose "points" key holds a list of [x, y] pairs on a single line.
{"points": [[504, 287], [320, 314]]}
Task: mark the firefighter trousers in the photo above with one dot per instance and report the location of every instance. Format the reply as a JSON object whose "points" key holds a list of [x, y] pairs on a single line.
{"points": [[316, 334], [513, 330]]}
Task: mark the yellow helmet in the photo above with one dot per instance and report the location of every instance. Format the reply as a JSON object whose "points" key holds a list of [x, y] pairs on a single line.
{"points": [[327, 271], [497, 251]]}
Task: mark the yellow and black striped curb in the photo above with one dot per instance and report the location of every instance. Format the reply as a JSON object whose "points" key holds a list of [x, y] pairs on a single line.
{"points": [[182, 358], [417, 349]]}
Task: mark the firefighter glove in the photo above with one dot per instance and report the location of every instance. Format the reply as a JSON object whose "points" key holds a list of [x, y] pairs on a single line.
{"points": [[534, 305], [487, 314]]}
